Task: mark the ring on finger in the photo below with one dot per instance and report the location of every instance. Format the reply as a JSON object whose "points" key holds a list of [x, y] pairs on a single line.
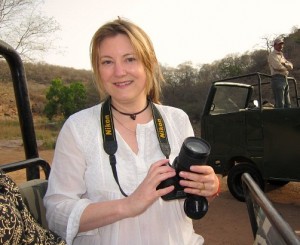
{"points": [[202, 187]]}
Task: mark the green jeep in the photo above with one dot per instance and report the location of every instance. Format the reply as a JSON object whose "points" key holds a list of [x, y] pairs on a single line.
{"points": [[247, 134]]}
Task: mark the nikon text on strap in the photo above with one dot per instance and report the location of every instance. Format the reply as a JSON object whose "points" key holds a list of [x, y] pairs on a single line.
{"points": [[110, 144]]}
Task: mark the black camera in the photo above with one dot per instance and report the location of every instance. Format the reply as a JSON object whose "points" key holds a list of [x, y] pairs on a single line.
{"points": [[194, 151]]}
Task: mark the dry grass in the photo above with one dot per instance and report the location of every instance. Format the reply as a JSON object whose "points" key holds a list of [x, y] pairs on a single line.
{"points": [[9, 129], [46, 133]]}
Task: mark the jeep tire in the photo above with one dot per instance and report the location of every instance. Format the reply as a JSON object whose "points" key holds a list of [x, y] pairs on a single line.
{"points": [[234, 180]]}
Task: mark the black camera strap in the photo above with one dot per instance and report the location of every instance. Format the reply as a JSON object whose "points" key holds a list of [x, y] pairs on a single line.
{"points": [[161, 131], [110, 144]]}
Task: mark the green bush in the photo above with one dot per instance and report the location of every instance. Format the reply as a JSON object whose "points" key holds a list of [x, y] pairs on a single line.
{"points": [[64, 100]]}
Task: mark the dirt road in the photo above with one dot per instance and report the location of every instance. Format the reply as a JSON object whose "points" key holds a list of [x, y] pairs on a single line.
{"points": [[227, 220]]}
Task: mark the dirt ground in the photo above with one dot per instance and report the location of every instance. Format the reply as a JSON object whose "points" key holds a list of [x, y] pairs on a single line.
{"points": [[227, 220]]}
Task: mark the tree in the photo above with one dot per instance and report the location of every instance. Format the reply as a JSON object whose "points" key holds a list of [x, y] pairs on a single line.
{"points": [[183, 90], [25, 28], [74, 98], [64, 100], [53, 97], [230, 66]]}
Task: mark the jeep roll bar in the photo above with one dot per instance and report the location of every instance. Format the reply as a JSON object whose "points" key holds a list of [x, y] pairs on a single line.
{"points": [[33, 161], [259, 76], [262, 212]]}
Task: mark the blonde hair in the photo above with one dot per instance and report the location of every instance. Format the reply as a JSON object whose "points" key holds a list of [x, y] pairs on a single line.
{"points": [[143, 48]]}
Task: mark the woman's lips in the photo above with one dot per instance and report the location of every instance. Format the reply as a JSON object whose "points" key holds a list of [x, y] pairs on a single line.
{"points": [[123, 84]]}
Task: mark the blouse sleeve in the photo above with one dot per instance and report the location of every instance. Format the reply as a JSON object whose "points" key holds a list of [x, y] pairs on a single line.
{"points": [[64, 200]]}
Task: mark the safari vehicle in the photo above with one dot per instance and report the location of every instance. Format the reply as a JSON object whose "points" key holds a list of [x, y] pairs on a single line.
{"points": [[247, 134]]}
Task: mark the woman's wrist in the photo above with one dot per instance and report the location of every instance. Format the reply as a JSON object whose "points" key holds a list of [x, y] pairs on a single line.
{"points": [[125, 208]]}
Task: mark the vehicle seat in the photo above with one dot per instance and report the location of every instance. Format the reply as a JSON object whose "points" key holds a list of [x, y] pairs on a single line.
{"points": [[18, 226], [33, 192]]}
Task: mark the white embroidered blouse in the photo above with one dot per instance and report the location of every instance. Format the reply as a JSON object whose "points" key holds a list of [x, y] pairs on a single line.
{"points": [[81, 174]]}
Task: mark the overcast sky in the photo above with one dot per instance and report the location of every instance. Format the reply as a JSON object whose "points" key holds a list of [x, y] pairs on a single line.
{"points": [[181, 30]]}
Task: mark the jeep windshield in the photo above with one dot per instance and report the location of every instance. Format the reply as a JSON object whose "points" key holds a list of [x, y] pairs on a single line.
{"points": [[229, 97]]}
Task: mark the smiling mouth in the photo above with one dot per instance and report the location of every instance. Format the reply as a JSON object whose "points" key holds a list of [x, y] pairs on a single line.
{"points": [[122, 84]]}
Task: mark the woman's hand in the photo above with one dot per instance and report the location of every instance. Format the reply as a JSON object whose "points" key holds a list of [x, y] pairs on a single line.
{"points": [[201, 181], [146, 193]]}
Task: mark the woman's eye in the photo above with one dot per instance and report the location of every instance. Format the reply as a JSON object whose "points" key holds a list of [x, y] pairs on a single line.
{"points": [[106, 62], [131, 59]]}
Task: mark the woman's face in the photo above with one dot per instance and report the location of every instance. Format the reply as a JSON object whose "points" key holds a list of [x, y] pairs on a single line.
{"points": [[122, 73]]}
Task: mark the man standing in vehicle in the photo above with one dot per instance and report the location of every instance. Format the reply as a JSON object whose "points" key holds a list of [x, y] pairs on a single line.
{"points": [[280, 68]]}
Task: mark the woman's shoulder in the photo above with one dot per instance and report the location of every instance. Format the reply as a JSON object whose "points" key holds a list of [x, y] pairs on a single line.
{"points": [[85, 116], [170, 110], [174, 115], [82, 123], [176, 119], [93, 110]]}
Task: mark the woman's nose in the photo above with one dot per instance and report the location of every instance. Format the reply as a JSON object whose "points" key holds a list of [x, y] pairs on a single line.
{"points": [[120, 69]]}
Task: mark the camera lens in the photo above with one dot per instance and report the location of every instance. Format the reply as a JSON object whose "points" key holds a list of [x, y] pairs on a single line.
{"points": [[194, 151], [196, 147]]}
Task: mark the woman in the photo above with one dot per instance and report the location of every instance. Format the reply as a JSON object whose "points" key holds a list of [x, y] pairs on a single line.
{"points": [[87, 201]]}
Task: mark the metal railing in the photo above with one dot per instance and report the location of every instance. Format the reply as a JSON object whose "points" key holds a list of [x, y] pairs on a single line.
{"points": [[260, 208], [28, 164], [259, 83], [25, 116]]}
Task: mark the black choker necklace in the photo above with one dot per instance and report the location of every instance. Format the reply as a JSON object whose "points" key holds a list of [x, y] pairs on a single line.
{"points": [[131, 115]]}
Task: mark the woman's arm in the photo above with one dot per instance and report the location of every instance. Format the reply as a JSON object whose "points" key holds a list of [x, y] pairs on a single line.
{"points": [[104, 213]]}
